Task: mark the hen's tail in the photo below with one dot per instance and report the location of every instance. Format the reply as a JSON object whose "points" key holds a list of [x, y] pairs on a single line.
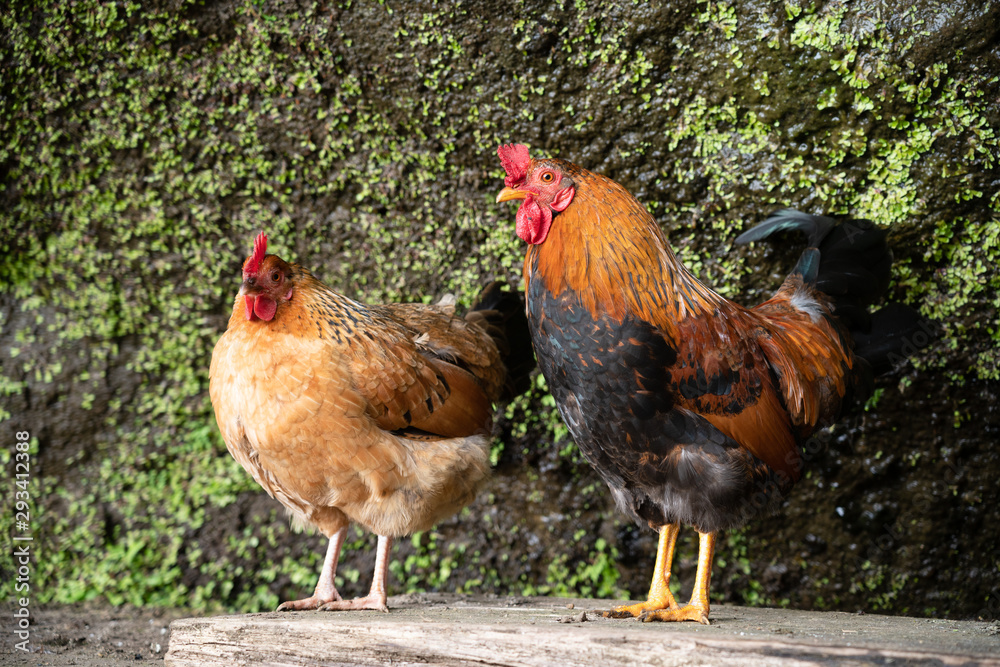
{"points": [[501, 314], [853, 270]]}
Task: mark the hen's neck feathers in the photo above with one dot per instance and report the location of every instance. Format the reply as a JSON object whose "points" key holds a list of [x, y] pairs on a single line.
{"points": [[314, 310], [609, 250]]}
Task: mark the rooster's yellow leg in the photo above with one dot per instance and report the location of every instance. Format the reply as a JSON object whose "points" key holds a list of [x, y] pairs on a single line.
{"points": [[325, 591], [376, 598], [697, 608], [660, 596]]}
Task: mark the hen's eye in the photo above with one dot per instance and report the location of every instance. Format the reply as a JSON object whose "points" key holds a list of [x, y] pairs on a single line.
{"points": [[547, 177], [276, 276]]}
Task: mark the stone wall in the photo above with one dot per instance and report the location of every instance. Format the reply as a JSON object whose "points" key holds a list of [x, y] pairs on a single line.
{"points": [[145, 144]]}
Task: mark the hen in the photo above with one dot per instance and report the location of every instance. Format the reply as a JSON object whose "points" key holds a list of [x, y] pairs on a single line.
{"points": [[690, 407], [380, 415]]}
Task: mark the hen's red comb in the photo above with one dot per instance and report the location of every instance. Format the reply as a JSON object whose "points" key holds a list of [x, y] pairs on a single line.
{"points": [[252, 266], [515, 161]]}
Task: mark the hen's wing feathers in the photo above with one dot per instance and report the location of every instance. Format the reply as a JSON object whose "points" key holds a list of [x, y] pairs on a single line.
{"points": [[443, 334], [459, 341], [413, 377]]}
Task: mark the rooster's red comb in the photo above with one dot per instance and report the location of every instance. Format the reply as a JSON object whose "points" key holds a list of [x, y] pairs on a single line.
{"points": [[252, 266], [515, 161]]}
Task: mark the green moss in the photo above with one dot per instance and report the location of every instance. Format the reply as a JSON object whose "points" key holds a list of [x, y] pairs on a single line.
{"points": [[595, 576]]}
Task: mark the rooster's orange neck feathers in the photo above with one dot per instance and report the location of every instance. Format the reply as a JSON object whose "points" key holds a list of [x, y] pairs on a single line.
{"points": [[609, 250]]}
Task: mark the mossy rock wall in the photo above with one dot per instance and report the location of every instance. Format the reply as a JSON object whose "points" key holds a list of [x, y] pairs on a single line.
{"points": [[145, 143]]}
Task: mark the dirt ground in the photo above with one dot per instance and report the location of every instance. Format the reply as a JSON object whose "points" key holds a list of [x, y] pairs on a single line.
{"points": [[92, 636], [89, 637]]}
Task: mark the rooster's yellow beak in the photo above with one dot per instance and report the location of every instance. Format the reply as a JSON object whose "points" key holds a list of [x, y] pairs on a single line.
{"points": [[513, 193]]}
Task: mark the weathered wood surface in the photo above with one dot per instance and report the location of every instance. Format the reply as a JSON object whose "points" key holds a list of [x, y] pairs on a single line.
{"points": [[456, 630]]}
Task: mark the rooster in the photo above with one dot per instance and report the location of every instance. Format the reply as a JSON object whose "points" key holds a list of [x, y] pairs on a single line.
{"points": [[690, 407], [346, 412]]}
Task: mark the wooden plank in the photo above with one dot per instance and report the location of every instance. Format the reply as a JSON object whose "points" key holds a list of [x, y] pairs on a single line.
{"points": [[454, 630]]}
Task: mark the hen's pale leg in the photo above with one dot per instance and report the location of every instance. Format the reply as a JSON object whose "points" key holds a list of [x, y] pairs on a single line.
{"points": [[659, 596], [325, 591], [697, 608], [376, 598]]}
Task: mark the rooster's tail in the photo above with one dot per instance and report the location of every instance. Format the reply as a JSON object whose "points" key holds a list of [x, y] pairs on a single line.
{"points": [[501, 314], [852, 266]]}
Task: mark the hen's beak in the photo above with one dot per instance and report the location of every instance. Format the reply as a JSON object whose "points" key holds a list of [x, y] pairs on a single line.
{"points": [[513, 193]]}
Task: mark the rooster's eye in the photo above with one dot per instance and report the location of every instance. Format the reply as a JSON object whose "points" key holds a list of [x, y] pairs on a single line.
{"points": [[276, 276], [547, 177]]}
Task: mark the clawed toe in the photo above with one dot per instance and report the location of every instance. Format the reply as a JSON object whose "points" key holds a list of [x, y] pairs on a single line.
{"points": [[659, 602], [370, 603], [311, 602], [685, 613]]}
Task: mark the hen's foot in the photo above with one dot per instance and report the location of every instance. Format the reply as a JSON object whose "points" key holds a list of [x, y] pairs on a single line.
{"points": [[311, 602], [688, 612], [372, 602]]}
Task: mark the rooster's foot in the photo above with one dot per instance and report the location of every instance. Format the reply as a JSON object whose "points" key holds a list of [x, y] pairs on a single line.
{"points": [[688, 612], [640, 608]]}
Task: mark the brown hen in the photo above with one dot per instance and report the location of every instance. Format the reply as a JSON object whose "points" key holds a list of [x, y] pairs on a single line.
{"points": [[346, 412]]}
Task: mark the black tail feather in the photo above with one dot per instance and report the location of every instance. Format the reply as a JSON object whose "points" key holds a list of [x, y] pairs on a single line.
{"points": [[808, 265], [854, 270], [896, 332], [816, 227], [507, 324], [843, 277]]}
